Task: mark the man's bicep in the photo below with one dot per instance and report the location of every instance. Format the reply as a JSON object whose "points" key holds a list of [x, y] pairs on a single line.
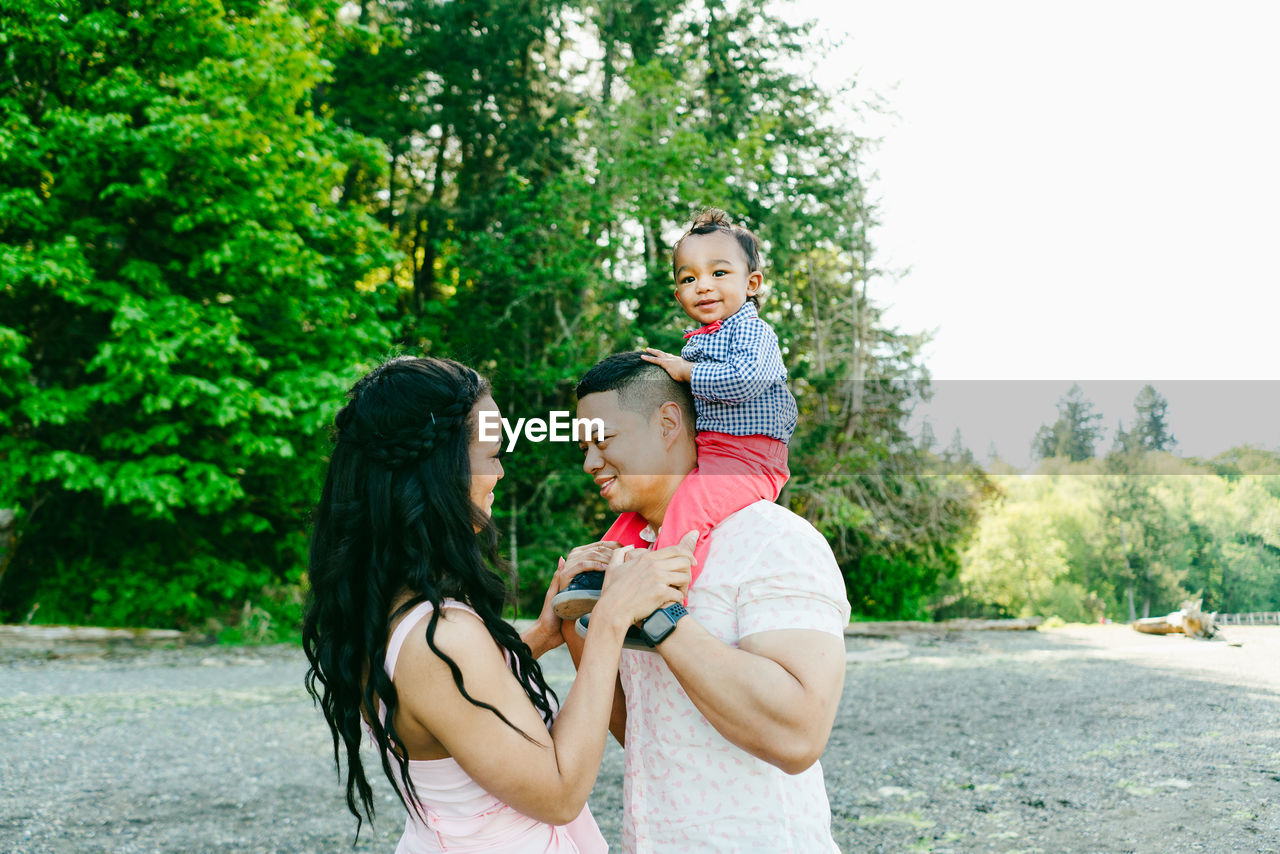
{"points": [[816, 660], [795, 584]]}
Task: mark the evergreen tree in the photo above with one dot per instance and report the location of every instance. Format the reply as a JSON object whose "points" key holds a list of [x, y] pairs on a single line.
{"points": [[1151, 429], [464, 95], [198, 217], [703, 105], [1124, 443], [1074, 434]]}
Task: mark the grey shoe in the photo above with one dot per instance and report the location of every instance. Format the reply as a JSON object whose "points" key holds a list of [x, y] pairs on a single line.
{"points": [[635, 638], [580, 596]]}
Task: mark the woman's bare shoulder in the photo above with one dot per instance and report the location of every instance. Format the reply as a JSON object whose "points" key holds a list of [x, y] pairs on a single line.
{"points": [[460, 634]]}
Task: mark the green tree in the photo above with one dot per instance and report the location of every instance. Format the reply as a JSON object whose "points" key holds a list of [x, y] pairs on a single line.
{"points": [[1144, 544], [1235, 529], [464, 95], [181, 303], [1074, 434], [519, 200], [1033, 554], [1151, 428], [560, 253], [1132, 535]]}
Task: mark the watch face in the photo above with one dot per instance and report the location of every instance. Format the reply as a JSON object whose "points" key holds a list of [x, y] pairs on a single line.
{"points": [[658, 624]]}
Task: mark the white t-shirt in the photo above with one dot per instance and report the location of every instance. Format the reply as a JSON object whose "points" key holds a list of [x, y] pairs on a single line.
{"points": [[685, 787]]}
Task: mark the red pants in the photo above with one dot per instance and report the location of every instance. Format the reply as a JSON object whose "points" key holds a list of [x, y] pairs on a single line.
{"points": [[732, 472]]}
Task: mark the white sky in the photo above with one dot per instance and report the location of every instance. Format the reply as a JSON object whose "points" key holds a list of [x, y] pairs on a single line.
{"points": [[1083, 191]]}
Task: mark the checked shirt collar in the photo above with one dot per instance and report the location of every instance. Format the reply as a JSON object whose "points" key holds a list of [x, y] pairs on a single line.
{"points": [[747, 310]]}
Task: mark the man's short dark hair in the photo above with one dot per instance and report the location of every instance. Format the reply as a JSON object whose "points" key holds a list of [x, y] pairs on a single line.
{"points": [[641, 386]]}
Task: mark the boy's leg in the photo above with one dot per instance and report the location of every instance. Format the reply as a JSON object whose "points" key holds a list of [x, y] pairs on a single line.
{"points": [[733, 472], [581, 594]]}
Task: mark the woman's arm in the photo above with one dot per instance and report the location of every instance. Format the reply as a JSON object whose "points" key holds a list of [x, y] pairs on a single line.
{"points": [[544, 635], [618, 717], [548, 775]]}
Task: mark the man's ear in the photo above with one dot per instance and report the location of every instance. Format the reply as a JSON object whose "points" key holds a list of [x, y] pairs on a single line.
{"points": [[754, 282], [670, 422]]}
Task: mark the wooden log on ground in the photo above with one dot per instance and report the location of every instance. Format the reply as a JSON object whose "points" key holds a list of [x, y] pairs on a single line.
{"points": [[1188, 620], [1156, 626], [86, 634], [891, 628]]}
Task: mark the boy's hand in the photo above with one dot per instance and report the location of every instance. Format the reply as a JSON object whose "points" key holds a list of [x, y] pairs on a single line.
{"points": [[679, 369]]}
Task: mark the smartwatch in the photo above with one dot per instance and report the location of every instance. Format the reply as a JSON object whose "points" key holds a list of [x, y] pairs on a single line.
{"points": [[662, 622]]}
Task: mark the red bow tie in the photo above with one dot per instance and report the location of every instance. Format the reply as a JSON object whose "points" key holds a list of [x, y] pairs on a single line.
{"points": [[705, 330]]}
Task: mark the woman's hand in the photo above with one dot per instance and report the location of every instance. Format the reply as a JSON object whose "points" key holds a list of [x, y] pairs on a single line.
{"points": [[544, 635], [638, 582], [547, 633], [592, 556]]}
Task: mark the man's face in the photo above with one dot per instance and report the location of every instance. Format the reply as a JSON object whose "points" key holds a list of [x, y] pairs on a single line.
{"points": [[630, 464]]}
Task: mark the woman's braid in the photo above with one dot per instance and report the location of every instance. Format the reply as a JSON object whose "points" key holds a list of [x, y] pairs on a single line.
{"points": [[406, 447]]}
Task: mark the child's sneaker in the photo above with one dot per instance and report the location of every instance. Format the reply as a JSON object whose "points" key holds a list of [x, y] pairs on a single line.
{"points": [[635, 638], [580, 596]]}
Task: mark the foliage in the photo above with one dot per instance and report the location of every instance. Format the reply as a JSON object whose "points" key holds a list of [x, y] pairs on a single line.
{"points": [[544, 246], [1074, 434], [1151, 428], [1127, 537], [180, 305], [214, 211]]}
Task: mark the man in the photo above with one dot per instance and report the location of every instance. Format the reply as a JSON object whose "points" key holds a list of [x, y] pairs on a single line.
{"points": [[723, 721]]}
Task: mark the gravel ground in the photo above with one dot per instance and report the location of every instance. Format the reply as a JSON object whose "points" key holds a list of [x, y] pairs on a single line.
{"points": [[1079, 739]]}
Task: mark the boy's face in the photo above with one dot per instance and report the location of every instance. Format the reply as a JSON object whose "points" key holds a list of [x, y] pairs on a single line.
{"points": [[712, 279]]}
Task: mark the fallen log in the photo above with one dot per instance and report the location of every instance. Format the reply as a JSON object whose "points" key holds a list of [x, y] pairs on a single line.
{"points": [[88, 634], [891, 628], [1189, 620]]}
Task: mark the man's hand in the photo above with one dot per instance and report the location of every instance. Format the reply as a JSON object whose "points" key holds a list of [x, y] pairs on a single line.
{"points": [[649, 579], [677, 368]]}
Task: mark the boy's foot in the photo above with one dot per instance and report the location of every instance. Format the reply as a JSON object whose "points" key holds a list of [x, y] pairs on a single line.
{"points": [[635, 638], [580, 596]]}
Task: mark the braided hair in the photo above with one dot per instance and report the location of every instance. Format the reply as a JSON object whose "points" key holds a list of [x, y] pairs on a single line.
{"points": [[396, 515]]}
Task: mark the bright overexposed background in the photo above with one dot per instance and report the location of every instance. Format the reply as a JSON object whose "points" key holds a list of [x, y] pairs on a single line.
{"points": [[1076, 192]]}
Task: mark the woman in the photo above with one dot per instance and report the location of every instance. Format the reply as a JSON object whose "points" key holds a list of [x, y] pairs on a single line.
{"points": [[405, 639]]}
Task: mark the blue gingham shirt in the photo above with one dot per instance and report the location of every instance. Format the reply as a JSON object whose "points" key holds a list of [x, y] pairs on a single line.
{"points": [[739, 382]]}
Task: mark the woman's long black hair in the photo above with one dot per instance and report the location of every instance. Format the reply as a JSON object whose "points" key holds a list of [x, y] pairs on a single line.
{"points": [[396, 515]]}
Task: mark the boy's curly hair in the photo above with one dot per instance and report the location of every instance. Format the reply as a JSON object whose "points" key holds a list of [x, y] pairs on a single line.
{"points": [[711, 220]]}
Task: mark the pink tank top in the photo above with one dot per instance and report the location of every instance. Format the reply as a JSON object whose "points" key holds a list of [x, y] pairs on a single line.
{"points": [[460, 816]]}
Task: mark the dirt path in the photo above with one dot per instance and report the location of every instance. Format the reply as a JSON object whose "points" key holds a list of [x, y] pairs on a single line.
{"points": [[1071, 740]]}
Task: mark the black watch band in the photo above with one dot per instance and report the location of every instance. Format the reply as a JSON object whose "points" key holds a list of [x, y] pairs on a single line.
{"points": [[662, 622]]}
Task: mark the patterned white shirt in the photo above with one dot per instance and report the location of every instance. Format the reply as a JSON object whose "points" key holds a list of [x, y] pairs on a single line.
{"points": [[738, 380], [685, 787]]}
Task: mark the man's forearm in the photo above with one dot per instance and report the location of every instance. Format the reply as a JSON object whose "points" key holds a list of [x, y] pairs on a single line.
{"points": [[775, 696], [618, 716], [536, 638]]}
